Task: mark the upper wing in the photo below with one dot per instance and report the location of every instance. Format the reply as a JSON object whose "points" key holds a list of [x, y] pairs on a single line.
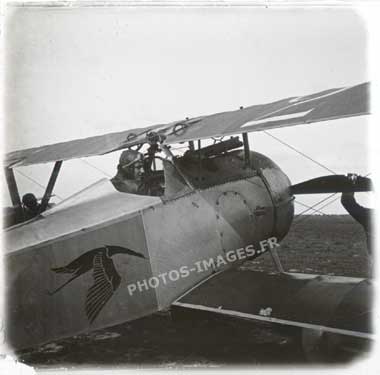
{"points": [[78, 148], [325, 105]]}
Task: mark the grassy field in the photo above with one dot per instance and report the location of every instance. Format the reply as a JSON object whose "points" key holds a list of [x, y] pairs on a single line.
{"points": [[333, 245]]}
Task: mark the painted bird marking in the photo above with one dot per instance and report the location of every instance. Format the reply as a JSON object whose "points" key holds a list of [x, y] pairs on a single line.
{"points": [[106, 279]]}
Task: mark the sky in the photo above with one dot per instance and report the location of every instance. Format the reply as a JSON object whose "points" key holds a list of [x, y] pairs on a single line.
{"points": [[79, 72]]}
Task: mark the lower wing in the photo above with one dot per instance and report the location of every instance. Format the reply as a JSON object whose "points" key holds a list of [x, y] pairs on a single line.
{"points": [[332, 305]]}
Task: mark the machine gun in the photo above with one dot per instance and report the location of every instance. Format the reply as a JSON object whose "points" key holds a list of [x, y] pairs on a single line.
{"points": [[215, 149]]}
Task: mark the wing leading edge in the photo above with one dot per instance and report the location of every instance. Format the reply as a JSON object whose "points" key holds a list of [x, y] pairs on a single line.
{"points": [[326, 105]]}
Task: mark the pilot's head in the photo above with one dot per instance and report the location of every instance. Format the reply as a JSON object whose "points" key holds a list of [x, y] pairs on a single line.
{"points": [[30, 201], [131, 164]]}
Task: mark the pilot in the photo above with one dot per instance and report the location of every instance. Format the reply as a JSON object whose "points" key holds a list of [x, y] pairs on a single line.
{"points": [[31, 206], [130, 171], [361, 214]]}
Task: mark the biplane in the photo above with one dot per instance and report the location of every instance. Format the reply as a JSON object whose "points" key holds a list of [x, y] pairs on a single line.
{"points": [[174, 236]]}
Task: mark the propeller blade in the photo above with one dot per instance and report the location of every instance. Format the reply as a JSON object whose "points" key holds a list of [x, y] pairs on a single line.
{"points": [[333, 184]]}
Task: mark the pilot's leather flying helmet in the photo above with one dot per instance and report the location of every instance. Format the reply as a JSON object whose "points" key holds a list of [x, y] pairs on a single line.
{"points": [[129, 157]]}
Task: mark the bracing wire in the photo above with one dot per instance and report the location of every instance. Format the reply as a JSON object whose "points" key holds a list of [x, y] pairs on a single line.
{"points": [[310, 208], [316, 162], [95, 167], [316, 204], [30, 179], [299, 152], [36, 182], [309, 158], [324, 206]]}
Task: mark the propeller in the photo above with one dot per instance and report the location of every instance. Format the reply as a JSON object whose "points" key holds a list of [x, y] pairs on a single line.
{"points": [[333, 184]]}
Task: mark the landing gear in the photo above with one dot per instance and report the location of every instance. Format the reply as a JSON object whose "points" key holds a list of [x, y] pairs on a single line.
{"points": [[276, 259]]}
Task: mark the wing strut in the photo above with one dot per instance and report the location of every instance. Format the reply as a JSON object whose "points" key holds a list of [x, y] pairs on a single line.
{"points": [[276, 259], [13, 191], [50, 186], [247, 156]]}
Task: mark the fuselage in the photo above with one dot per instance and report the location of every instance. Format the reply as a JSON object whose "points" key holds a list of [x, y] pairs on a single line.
{"points": [[212, 209]]}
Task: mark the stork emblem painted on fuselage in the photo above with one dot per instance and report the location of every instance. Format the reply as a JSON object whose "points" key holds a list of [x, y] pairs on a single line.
{"points": [[106, 278]]}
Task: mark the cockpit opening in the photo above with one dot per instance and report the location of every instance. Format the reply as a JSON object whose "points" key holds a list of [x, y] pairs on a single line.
{"points": [[156, 173], [139, 173]]}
